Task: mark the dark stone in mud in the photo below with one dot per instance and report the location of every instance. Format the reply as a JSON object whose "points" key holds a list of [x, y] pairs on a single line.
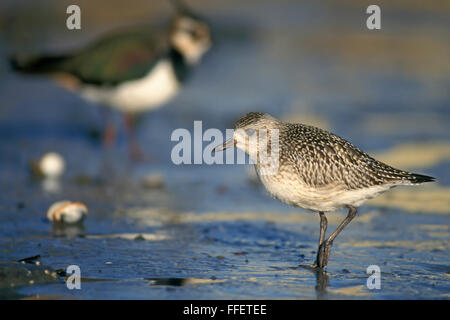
{"points": [[86, 180], [139, 237], [222, 189], [16, 274], [30, 259]]}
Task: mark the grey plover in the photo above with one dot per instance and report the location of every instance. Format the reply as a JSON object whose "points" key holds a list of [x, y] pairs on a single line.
{"points": [[316, 170], [132, 70]]}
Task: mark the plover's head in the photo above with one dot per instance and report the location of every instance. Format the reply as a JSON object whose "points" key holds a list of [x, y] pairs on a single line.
{"points": [[250, 131], [190, 35]]}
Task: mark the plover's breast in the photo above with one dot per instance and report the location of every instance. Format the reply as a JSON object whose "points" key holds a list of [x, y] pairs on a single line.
{"points": [[150, 92]]}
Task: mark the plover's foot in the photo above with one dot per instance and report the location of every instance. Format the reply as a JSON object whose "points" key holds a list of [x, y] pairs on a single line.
{"points": [[323, 254], [309, 267]]}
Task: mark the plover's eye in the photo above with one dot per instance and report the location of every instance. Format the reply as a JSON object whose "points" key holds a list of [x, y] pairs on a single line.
{"points": [[250, 132]]}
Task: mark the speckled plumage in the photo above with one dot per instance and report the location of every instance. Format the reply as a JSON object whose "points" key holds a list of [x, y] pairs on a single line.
{"points": [[321, 171], [311, 168]]}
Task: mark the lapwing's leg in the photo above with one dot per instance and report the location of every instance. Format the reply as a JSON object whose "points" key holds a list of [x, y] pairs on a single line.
{"points": [[110, 130], [323, 230], [324, 249], [130, 130]]}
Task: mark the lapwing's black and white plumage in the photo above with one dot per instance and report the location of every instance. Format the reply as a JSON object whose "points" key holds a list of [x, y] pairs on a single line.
{"points": [[315, 169], [134, 70]]}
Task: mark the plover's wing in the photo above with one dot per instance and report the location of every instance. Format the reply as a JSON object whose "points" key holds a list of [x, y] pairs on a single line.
{"points": [[323, 158]]}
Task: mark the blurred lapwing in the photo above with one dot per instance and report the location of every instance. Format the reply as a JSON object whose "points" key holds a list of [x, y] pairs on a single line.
{"points": [[132, 71], [311, 168]]}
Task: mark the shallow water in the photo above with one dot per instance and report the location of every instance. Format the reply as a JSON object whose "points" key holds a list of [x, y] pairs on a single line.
{"points": [[211, 232]]}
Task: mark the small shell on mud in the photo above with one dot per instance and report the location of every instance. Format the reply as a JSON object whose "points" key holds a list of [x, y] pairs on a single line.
{"points": [[67, 212], [52, 165], [153, 181]]}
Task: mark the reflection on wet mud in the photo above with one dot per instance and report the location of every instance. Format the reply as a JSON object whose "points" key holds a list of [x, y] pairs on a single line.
{"points": [[322, 283], [322, 280], [131, 236], [178, 282], [69, 230]]}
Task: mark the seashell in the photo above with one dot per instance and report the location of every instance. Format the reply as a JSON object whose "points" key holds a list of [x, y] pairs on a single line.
{"points": [[153, 181], [67, 212], [52, 165]]}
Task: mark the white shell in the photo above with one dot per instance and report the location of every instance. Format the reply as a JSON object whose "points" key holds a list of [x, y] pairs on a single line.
{"points": [[52, 165], [67, 212]]}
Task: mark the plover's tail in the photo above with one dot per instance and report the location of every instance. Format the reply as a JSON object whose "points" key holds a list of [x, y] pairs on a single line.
{"points": [[415, 178]]}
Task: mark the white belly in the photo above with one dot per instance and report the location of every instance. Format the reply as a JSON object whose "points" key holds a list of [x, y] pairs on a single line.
{"points": [[147, 93], [326, 198]]}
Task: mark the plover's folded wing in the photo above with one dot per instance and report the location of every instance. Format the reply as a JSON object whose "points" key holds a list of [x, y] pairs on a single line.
{"points": [[323, 159]]}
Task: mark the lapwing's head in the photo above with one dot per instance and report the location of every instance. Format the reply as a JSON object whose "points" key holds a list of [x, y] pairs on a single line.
{"points": [[190, 34], [250, 131]]}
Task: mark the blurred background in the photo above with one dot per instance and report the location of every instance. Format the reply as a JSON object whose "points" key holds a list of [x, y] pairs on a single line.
{"points": [[211, 231]]}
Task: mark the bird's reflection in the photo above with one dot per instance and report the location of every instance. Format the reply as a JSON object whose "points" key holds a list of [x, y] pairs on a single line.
{"points": [[69, 230], [322, 280]]}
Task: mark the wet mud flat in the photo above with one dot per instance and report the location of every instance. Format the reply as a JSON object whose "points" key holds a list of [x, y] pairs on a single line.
{"points": [[211, 232], [254, 248]]}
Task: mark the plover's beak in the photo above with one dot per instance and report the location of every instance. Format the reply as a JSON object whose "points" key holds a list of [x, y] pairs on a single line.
{"points": [[227, 144]]}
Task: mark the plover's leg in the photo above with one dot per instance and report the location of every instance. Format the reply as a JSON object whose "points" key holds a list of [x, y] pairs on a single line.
{"points": [[324, 249], [323, 229]]}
